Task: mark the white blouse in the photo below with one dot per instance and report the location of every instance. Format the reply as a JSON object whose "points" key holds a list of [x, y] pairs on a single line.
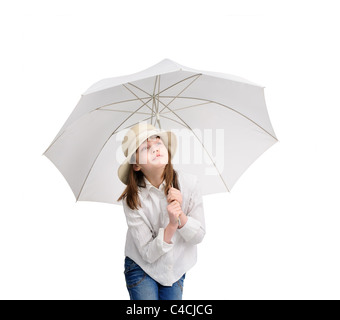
{"points": [[164, 262]]}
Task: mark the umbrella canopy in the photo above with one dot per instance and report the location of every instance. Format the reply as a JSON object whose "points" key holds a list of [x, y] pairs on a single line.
{"points": [[224, 119]]}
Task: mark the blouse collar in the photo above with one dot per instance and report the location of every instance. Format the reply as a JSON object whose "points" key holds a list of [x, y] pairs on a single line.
{"points": [[145, 191]]}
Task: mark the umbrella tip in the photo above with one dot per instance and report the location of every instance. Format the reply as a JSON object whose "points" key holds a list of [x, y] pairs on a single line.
{"points": [[169, 61], [172, 64]]}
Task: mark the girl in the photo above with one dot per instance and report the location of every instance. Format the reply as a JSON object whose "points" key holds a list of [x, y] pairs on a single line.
{"points": [[164, 214]]}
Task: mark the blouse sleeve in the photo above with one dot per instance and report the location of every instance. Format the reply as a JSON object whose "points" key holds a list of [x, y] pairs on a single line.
{"points": [[194, 229], [150, 247]]}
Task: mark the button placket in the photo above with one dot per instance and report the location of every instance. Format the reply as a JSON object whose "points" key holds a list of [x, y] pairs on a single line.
{"points": [[170, 264], [163, 206]]}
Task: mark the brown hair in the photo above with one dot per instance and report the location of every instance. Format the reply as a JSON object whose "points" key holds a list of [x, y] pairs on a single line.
{"points": [[136, 178]]}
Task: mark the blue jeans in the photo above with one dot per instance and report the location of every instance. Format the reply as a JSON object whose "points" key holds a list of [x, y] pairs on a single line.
{"points": [[142, 287]]}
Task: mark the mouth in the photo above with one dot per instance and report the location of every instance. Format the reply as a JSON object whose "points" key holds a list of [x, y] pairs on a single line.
{"points": [[158, 156]]}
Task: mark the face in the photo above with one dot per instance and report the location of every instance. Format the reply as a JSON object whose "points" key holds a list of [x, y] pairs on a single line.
{"points": [[151, 154]]}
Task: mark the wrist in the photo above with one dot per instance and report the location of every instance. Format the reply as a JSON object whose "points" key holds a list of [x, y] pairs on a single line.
{"points": [[169, 231], [172, 226], [183, 219]]}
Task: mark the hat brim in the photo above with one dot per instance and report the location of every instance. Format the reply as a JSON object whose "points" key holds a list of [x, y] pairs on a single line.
{"points": [[168, 138]]}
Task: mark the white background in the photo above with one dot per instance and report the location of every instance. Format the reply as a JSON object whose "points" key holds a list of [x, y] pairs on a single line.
{"points": [[275, 236]]}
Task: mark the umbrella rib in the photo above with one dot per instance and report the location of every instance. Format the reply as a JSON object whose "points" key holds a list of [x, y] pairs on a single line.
{"points": [[132, 125], [161, 115], [153, 100], [105, 144], [131, 84], [174, 84], [122, 101], [223, 105], [198, 75], [53, 142], [164, 88], [188, 127], [159, 92], [194, 105], [122, 111], [137, 96], [159, 86], [99, 108]]}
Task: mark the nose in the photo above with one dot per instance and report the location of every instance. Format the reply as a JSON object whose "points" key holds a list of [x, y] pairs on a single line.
{"points": [[155, 148]]}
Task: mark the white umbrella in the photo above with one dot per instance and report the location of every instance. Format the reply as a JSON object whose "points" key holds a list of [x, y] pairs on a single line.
{"points": [[204, 109]]}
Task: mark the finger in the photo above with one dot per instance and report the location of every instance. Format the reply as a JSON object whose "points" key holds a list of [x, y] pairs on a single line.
{"points": [[170, 197], [175, 204], [177, 210]]}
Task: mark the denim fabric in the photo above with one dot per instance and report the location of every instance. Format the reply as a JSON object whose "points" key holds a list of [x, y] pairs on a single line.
{"points": [[142, 287]]}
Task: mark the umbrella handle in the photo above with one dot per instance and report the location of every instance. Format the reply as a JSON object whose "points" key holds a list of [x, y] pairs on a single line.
{"points": [[178, 219]]}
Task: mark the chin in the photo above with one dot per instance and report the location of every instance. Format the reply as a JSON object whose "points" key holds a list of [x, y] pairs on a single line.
{"points": [[160, 164]]}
